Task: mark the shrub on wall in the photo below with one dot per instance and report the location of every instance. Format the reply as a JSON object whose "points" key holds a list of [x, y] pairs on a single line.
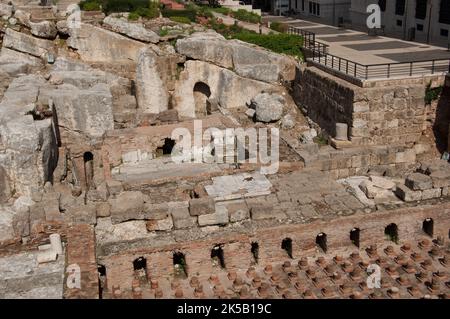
{"points": [[180, 19], [187, 13], [246, 16]]}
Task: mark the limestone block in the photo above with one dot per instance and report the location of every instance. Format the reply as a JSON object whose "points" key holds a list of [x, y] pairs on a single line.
{"points": [[133, 30], [406, 194], [160, 225], [218, 218], [418, 181], [441, 178], [201, 206], [103, 209], [127, 206], [431, 193], [181, 218]]}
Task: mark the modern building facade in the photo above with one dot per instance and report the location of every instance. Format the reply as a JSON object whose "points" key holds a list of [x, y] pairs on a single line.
{"points": [[333, 12], [426, 21]]}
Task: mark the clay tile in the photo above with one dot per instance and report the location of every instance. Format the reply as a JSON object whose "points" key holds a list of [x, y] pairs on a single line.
{"points": [[439, 274], [421, 276], [174, 285], [286, 264], [238, 281], [355, 257], [434, 285], [347, 266], [320, 261], [381, 261], [154, 284], [330, 268], [424, 243], [435, 252], [327, 292], [355, 274], [391, 270], [244, 292], [345, 288], [409, 268], [371, 250], [403, 280], [232, 275], [179, 293], [308, 294], [310, 272], [199, 289], [363, 264], [389, 250], [268, 269], [135, 283], [416, 257], [406, 247], [393, 292], [356, 295], [288, 295], [194, 282], [158, 293], [426, 264], [250, 272], [275, 277], [338, 259], [117, 293], [414, 291], [303, 262], [444, 261]]}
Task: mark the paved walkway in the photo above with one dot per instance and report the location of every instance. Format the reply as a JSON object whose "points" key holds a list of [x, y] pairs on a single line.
{"points": [[359, 47]]}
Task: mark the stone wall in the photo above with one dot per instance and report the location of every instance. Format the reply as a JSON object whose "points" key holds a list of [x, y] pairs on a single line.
{"points": [[384, 113], [237, 247]]}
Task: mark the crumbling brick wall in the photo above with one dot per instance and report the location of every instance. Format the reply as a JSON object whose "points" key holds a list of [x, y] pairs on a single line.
{"points": [[237, 247]]}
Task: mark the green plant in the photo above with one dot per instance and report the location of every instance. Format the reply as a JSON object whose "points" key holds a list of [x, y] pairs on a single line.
{"points": [[180, 19], [187, 13], [222, 10], [280, 43], [279, 27], [320, 140], [133, 16], [432, 94], [163, 32], [90, 5], [246, 16]]}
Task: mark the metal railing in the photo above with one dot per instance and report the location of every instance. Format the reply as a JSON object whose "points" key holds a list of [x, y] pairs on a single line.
{"points": [[309, 40], [381, 70], [319, 54]]}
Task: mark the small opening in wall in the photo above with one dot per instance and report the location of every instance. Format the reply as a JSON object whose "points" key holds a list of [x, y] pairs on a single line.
{"points": [[255, 252], [354, 236], [217, 256], [321, 241], [140, 267], [179, 264], [193, 194], [201, 94], [286, 244], [88, 159], [101, 279], [427, 226], [391, 232], [166, 149]]}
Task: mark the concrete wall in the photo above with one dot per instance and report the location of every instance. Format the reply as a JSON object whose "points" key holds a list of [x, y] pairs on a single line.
{"points": [[330, 11]]}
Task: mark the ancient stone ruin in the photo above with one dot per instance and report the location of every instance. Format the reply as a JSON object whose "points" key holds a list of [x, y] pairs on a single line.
{"points": [[88, 178]]}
